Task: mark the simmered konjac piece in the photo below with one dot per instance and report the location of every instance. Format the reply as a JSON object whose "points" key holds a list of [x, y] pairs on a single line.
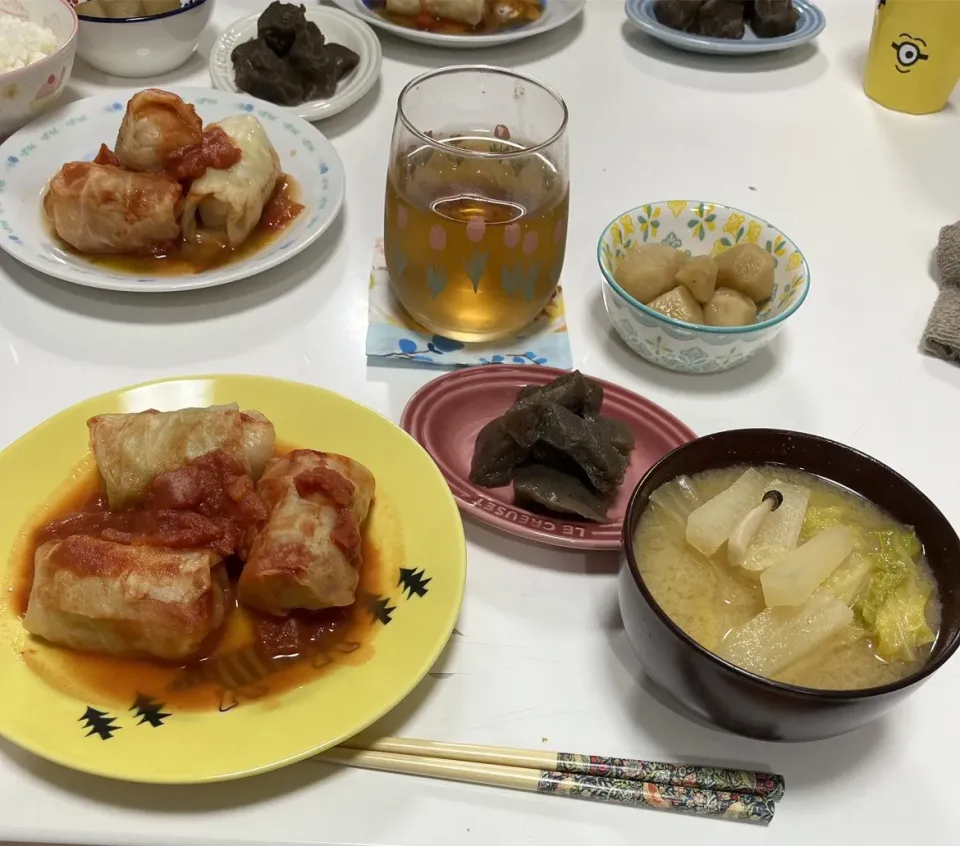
{"points": [[290, 60], [789, 577], [561, 454]]}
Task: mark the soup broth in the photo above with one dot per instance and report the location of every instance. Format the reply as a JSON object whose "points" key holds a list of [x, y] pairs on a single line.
{"points": [[712, 600]]}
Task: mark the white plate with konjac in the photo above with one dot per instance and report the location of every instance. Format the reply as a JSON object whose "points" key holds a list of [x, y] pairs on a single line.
{"points": [[338, 28], [30, 157], [555, 13]]}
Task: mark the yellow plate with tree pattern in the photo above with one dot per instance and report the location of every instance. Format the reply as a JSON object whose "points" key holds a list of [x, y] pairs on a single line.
{"points": [[237, 717]]}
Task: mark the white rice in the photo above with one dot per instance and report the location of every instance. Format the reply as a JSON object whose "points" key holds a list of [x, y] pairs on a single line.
{"points": [[23, 42]]}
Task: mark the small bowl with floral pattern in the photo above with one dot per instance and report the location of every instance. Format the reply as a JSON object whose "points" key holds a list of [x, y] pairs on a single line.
{"points": [[698, 228]]}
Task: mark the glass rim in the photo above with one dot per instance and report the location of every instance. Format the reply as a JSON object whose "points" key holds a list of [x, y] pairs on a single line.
{"points": [[449, 69]]}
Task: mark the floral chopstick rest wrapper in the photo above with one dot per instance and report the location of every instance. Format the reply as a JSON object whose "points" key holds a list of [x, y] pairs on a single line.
{"points": [[393, 335]]}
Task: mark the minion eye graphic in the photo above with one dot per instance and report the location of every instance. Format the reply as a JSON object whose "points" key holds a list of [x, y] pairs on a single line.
{"points": [[909, 52]]}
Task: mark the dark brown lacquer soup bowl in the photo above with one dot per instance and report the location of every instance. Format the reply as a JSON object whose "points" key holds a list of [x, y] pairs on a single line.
{"points": [[737, 700]]}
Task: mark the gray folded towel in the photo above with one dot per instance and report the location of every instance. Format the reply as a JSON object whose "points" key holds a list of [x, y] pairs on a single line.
{"points": [[942, 335]]}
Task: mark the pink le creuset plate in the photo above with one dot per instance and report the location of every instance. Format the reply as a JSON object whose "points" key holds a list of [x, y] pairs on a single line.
{"points": [[446, 414]]}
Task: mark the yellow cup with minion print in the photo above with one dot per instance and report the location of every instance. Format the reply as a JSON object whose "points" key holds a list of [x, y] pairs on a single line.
{"points": [[914, 59]]}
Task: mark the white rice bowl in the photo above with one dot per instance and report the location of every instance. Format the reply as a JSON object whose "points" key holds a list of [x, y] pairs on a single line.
{"points": [[24, 42], [37, 43]]}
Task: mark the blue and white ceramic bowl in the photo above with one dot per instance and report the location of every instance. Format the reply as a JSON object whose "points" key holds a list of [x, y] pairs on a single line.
{"points": [[809, 25], [698, 228], [143, 46]]}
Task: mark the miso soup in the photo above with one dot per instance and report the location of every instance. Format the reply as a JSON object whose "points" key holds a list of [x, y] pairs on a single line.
{"points": [[790, 577]]}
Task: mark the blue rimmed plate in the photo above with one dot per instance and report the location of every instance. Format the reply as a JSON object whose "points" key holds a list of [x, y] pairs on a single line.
{"points": [[30, 157], [809, 26]]}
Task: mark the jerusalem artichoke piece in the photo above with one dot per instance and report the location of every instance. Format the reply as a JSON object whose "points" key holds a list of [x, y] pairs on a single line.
{"points": [[699, 274], [710, 525], [793, 580], [678, 304], [647, 272], [730, 308], [778, 637], [747, 268]]}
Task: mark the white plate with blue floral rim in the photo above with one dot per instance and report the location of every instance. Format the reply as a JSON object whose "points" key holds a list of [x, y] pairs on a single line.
{"points": [[555, 13], [30, 157], [809, 25]]}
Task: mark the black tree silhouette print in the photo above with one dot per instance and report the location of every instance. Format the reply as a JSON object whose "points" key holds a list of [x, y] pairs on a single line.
{"points": [[380, 607], [413, 582], [148, 710], [100, 723]]}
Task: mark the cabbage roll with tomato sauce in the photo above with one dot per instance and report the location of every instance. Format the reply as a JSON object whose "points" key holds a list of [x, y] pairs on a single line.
{"points": [[132, 449], [94, 595], [469, 12], [102, 210], [225, 205], [155, 125], [308, 555]]}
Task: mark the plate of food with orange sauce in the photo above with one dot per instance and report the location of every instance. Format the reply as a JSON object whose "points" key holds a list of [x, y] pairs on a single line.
{"points": [[211, 577], [464, 23], [165, 190]]}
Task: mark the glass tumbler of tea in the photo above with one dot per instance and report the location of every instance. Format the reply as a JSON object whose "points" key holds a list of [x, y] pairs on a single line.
{"points": [[478, 192]]}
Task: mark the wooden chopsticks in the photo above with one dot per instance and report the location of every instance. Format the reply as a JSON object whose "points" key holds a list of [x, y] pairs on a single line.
{"points": [[707, 791]]}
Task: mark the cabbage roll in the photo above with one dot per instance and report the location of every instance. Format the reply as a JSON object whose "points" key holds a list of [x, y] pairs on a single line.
{"points": [[131, 449], [226, 204], [99, 596], [465, 11], [308, 555], [155, 125], [469, 12], [100, 209]]}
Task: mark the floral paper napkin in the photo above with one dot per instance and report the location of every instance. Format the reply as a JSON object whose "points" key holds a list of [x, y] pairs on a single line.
{"points": [[394, 336]]}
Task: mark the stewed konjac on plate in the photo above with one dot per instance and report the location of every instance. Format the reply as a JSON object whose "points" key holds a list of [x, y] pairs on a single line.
{"points": [[290, 61], [561, 455], [173, 195], [196, 537], [789, 576]]}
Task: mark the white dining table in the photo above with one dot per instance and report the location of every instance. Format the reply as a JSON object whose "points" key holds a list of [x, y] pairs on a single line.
{"points": [[540, 659]]}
